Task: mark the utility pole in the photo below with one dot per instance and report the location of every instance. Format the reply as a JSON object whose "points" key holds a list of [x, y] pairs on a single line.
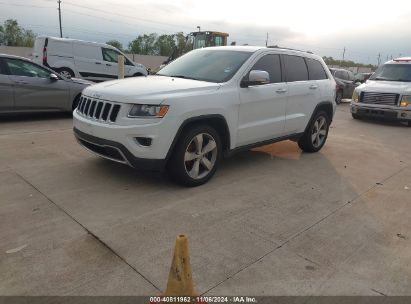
{"points": [[59, 9], [343, 57], [379, 59], [266, 40]]}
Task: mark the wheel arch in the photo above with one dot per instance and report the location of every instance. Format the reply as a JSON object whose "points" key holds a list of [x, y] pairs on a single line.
{"points": [[325, 106], [217, 121]]}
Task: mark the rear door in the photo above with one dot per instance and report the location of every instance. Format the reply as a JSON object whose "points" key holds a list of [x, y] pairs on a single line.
{"points": [[350, 84], [33, 88], [262, 108], [88, 61], [303, 94], [6, 90]]}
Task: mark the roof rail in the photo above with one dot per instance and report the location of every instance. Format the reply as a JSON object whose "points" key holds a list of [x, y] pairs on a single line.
{"points": [[285, 48]]}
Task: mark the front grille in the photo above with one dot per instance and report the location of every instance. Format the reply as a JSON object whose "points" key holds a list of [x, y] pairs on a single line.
{"points": [[379, 98], [100, 110]]}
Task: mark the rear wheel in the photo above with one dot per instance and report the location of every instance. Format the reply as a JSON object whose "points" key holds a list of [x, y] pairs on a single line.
{"points": [[196, 156], [339, 96], [409, 123], [316, 134], [66, 72]]}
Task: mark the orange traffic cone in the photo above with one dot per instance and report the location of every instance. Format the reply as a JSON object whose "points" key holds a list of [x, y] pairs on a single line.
{"points": [[180, 280]]}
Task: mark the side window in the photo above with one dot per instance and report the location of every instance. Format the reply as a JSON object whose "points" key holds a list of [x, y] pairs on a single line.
{"points": [[19, 67], [341, 75], [110, 55], [295, 68], [351, 76], [2, 69], [315, 69], [270, 64]]}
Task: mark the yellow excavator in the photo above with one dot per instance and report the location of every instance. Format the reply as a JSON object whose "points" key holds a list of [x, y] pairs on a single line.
{"points": [[198, 40]]}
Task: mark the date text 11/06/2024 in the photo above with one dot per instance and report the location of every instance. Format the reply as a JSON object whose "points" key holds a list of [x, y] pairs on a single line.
{"points": [[203, 299]]}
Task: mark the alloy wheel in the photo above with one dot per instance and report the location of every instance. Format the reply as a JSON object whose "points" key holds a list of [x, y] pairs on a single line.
{"points": [[319, 131], [200, 156]]}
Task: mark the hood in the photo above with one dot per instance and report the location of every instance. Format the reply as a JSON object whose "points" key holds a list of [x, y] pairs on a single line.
{"points": [[81, 81], [150, 89], [386, 86]]}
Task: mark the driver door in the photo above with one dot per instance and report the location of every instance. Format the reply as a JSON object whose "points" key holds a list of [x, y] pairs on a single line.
{"points": [[33, 88]]}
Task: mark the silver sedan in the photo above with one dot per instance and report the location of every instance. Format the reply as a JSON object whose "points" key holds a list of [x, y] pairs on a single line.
{"points": [[28, 87]]}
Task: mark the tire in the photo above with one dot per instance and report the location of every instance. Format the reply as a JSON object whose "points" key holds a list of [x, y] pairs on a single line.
{"points": [[66, 72], [338, 96], [189, 155], [409, 123], [355, 116], [316, 134]]}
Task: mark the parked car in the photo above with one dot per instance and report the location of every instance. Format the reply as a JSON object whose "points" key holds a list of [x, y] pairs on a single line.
{"points": [[386, 94], [208, 103], [26, 86], [84, 59], [345, 83], [362, 77]]}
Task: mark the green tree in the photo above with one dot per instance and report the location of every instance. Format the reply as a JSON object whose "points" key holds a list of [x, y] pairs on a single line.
{"points": [[117, 44], [144, 44], [14, 35], [164, 45]]}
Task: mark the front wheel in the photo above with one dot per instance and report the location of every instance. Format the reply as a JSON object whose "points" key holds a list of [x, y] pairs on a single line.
{"points": [[196, 156], [355, 116], [316, 134]]}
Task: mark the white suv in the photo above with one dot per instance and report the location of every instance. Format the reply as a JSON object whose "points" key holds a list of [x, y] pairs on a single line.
{"points": [[208, 103], [386, 94]]}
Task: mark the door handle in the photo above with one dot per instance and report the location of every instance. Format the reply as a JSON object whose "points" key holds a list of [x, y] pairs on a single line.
{"points": [[281, 90], [313, 86], [108, 64], [21, 82], [98, 62]]}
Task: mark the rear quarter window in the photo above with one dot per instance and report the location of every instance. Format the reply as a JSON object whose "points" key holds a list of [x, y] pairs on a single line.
{"points": [[315, 69], [295, 68]]}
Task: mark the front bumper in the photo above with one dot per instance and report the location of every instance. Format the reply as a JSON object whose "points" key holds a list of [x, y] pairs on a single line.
{"points": [[117, 152], [389, 113]]}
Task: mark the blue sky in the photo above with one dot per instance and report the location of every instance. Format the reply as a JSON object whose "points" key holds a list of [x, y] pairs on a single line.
{"points": [[365, 28]]}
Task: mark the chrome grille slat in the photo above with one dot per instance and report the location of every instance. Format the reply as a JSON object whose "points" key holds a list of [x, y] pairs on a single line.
{"points": [[98, 110], [379, 98]]}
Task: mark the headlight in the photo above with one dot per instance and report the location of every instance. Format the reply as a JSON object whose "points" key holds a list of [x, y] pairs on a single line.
{"points": [[405, 100], [356, 96], [153, 111]]}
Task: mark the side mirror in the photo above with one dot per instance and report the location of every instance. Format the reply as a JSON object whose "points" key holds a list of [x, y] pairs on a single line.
{"points": [[256, 77], [53, 77]]}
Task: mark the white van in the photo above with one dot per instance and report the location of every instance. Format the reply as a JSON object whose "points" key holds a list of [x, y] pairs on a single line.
{"points": [[82, 59]]}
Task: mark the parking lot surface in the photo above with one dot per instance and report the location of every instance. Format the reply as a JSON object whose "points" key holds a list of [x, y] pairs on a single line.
{"points": [[273, 221]]}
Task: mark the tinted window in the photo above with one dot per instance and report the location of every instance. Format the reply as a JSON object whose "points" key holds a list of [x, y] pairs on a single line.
{"points": [[207, 65], [2, 69], [295, 68], [270, 64], [315, 69], [24, 68], [341, 75]]}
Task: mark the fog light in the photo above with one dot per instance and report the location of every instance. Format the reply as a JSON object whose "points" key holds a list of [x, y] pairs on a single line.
{"points": [[144, 141]]}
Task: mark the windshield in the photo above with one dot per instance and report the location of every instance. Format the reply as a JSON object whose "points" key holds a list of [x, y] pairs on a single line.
{"points": [[393, 72], [206, 65]]}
